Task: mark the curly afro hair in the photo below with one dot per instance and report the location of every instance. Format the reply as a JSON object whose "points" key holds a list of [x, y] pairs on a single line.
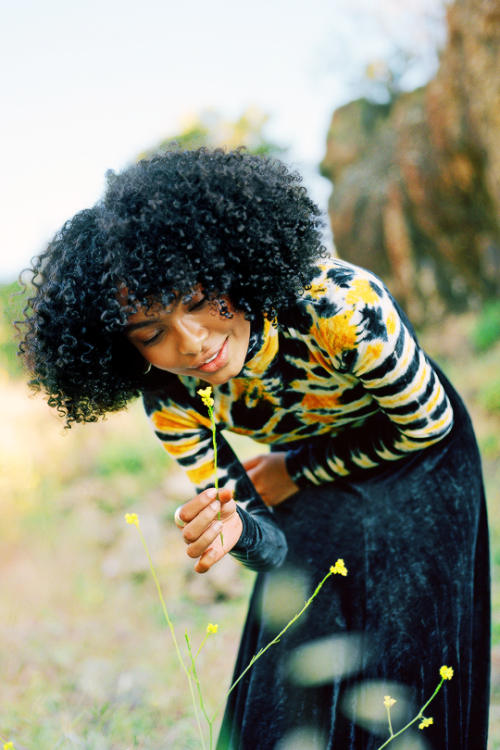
{"points": [[237, 224]]}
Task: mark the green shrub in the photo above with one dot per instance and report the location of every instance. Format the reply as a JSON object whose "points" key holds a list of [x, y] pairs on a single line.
{"points": [[11, 306], [487, 329], [490, 396]]}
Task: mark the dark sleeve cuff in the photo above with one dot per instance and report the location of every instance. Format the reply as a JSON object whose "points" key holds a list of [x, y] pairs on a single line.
{"points": [[262, 545]]}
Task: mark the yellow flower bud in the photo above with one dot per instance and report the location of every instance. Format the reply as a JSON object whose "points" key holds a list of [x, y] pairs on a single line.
{"points": [[206, 396], [212, 628], [426, 723], [339, 568], [388, 701], [446, 673], [132, 518]]}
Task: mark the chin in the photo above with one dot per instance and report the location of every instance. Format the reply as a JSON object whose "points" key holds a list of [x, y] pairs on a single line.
{"points": [[222, 376]]}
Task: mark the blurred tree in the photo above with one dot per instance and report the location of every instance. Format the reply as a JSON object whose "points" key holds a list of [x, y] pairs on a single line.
{"points": [[210, 129], [11, 306], [417, 177]]}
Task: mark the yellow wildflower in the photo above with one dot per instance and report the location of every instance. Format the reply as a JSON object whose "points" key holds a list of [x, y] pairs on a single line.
{"points": [[132, 518], [8, 746], [212, 628], [339, 568], [206, 395], [388, 701], [426, 723], [446, 673]]}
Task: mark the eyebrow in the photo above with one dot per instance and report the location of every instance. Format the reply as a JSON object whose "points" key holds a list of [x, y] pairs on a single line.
{"points": [[144, 324]]}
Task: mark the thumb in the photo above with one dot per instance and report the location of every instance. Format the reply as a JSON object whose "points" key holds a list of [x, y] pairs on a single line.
{"points": [[225, 495]]}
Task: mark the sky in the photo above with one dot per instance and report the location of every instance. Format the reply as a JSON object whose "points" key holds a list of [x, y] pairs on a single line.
{"points": [[87, 85]]}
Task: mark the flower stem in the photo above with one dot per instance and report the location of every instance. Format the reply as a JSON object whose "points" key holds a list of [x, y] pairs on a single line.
{"points": [[417, 717], [200, 696], [201, 646], [275, 640], [389, 718], [190, 680], [214, 441], [169, 623]]}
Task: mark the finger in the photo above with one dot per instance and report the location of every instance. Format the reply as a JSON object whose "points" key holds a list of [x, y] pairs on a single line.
{"points": [[191, 509], [252, 472], [228, 505], [251, 463], [253, 475], [177, 519], [222, 511], [200, 545], [206, 561], [233, 529], [200, 523]]}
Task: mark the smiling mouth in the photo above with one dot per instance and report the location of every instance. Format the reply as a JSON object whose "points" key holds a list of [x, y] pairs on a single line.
{"points": [[216, 362], [211, 358]]}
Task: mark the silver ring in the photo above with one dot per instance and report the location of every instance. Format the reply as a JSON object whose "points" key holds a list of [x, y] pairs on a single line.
{"points": [[178, 520]]}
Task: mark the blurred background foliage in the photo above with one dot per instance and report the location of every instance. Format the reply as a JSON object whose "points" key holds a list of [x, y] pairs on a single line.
{"points": [[211, 130], [85, 655], [11, 307]]}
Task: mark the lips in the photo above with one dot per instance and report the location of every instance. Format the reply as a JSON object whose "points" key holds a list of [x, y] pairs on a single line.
{"points": [[217, 362]]}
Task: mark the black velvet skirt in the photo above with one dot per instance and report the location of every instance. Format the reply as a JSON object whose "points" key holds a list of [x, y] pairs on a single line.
{"points": [[413, 535]]}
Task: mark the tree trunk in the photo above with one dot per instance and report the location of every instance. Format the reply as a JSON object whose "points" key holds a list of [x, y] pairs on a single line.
{"points": [[417, 182]]}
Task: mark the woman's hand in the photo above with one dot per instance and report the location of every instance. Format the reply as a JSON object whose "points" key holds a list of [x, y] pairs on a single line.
{"points": [[203, 528], [270, 477]]}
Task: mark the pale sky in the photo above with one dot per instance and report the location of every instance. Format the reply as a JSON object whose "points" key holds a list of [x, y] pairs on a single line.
{"points": [[87, 85]]}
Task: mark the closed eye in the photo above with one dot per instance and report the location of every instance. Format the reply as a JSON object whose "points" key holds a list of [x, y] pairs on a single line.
{"points": [[156, 337]]}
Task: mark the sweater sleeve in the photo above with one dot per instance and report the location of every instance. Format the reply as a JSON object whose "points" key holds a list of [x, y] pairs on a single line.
{"points": [[356, 327], [186, 435]]}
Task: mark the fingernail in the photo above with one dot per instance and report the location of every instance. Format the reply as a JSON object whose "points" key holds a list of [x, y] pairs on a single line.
{"points": [[211, 493], [212, 552], [217, 526], [215, 505]]}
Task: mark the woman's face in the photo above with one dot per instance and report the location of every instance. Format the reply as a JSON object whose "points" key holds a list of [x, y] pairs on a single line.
{"points": [[191, 339]]}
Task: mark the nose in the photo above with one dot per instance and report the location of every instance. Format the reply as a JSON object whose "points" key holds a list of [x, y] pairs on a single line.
{"points": [[190, 335]]}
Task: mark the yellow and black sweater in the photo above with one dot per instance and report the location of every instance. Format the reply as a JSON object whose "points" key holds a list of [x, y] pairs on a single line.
{"points": [[341, 373]]}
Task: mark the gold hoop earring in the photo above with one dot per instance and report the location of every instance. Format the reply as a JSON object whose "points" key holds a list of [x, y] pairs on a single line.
{"points": [[148, 368]]}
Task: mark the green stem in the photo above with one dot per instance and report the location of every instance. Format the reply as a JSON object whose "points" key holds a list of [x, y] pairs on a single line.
{"points": [[201, 645], [389, 717], [196, 712], [275, 640], [200, 696], [167, 618], [417, 717], [169, 623], [214, 441]]}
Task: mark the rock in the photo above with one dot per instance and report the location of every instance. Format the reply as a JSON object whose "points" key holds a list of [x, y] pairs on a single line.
{"points": [[417, 182]]}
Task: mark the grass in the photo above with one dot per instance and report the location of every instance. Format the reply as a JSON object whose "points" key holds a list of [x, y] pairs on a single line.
{"points": [[86, 659], [486, 330]]}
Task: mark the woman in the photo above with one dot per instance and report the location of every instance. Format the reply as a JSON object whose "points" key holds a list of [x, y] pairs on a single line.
{"points": [[206, 267]]}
